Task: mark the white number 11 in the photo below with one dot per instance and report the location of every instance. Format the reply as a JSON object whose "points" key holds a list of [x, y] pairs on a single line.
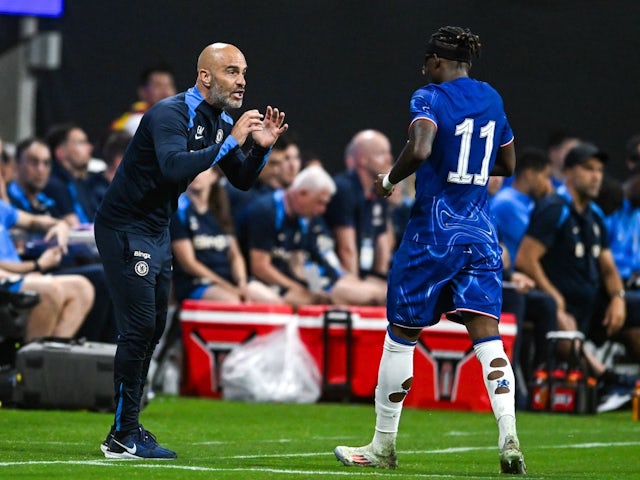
{"points": [[462, 175]]}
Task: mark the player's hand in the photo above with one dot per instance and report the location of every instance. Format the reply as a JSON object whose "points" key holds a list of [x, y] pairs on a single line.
{"points": [[380, 190], [272, 127], [250, 121]]}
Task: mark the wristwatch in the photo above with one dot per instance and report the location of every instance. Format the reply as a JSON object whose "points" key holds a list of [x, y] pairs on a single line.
{"points": [[619, 293]]}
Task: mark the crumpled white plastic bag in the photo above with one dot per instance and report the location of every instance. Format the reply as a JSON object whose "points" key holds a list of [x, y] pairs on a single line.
{"points": [[275, 367]]}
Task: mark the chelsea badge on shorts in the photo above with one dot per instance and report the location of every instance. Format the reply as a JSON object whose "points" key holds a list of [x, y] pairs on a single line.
{"points": [[141, 268]]}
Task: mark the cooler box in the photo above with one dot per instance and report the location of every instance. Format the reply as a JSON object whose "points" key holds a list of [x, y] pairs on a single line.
{"points": [[347, 349], [346, 344], [211, 329]]}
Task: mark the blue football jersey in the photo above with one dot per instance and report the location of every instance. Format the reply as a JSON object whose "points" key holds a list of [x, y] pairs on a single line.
{"points": [[451, 206]]}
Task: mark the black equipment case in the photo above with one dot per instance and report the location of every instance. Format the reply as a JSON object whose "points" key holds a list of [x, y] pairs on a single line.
{"points": [[65, 374]]}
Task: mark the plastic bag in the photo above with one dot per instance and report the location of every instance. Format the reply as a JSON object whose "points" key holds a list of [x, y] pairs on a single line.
{"points": [[275, 367]]}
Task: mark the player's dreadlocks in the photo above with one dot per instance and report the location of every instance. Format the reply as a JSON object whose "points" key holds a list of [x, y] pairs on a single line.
{"points": [[454, 43]]}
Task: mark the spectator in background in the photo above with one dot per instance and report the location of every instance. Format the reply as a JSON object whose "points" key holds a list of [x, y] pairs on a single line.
{"points": [[290, 247], [70, 181], [559, 143], [33, 169], [208, 263], [7, 171], [511, 209], [359, 221], [65, 300], [156, 82], [112, 152], [291, 163], [268, 181], [623, 222], [512, 205], [566, 252], [623, 227]]}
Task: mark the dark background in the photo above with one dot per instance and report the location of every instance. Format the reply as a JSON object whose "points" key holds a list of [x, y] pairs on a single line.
{"points": [[338, 66]]}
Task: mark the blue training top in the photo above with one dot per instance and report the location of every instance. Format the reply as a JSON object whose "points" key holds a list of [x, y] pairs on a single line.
{"points": [[451, 196], [178, 138]]}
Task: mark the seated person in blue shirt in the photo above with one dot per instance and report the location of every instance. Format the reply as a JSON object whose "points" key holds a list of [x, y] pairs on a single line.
{"points": [[69, 184], [511, 209], [207, 260], [65, 300], [32, 173], [623, 225], [286, 236]]}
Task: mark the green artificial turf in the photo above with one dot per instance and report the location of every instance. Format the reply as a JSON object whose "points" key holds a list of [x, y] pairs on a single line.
{"points": [[226, 440]]}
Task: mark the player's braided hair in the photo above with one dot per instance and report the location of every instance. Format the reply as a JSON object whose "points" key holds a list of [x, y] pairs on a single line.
{"points": [[454, 43]]}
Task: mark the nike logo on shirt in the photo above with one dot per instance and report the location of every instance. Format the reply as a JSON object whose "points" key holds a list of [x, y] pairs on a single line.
{"points": [[199, 132]]}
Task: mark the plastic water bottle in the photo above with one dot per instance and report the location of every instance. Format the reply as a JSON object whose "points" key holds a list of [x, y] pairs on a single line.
{"points": [[635, 402], [540, 390]]}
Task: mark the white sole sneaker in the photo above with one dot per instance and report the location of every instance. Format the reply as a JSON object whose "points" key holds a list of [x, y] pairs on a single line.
{"points": [[511, 457], [614, 402], [364, 457]]}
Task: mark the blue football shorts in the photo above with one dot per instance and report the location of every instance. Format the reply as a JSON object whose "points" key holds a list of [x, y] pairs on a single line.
{"points": [[426, 281]]}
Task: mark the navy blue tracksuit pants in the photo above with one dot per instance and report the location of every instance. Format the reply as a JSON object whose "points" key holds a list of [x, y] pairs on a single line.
{"points": [[138, 273]]}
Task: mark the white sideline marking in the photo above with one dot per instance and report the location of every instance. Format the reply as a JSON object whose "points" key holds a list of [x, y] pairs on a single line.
{"points": [[453, 450], [214, 442], [341, 472], [338, 472]]}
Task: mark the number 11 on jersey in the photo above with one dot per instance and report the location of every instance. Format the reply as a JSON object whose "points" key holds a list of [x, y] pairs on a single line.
{"points": [[462, 175]]}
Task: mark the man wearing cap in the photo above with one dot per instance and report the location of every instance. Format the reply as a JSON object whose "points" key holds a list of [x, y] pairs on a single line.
{"points": [[566, 252]]}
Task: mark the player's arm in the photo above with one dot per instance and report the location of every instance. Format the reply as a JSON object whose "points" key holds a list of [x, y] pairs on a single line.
{"points": [[242, 170], [168, 129], [505, 163], [417, 149]]}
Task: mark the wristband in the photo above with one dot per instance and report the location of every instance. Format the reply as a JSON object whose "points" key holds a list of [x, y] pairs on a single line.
{"points": [[36, 267], [386, 183]]}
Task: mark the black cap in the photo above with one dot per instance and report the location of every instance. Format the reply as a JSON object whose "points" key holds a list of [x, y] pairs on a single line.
{"points": [[583, 152]]}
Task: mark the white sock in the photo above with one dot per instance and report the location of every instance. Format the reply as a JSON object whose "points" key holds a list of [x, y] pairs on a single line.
{"points": [[500, 383], [394, 380]]}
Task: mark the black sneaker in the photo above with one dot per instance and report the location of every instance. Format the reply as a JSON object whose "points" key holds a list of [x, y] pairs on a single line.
{"points": [[138, 444]]}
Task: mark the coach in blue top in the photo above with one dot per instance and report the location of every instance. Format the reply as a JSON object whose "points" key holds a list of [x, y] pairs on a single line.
{"points": [[449, 258], [177, 138]]}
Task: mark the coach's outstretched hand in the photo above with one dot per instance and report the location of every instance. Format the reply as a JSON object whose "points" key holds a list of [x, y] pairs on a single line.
{"points": [[272, 127]]}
